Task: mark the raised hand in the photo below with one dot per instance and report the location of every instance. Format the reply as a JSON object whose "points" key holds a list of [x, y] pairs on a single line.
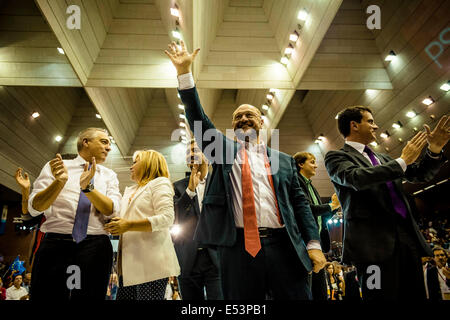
{"points": [[22, 180], [439, 137], [194, 179], [181, 58], [87, 174], [58, 168], [414, 147]]}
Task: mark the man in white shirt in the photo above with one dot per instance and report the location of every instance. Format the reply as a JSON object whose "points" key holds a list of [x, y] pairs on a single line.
{"points": [[16, 291], [77, 197], [381, 237], [199, 265], [254, 210]]}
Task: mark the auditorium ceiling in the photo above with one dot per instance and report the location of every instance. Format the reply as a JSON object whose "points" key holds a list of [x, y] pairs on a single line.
{"points": [[113, 73]]}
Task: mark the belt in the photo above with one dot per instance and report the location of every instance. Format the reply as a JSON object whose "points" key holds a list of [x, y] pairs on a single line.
{"points": [[267, 232], [63, 236]]}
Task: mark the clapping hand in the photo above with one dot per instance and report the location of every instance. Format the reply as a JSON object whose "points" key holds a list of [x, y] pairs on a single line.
{"points": [[22, 180], [58, 168], [180, 57], [439, 137], [87, 174], [335, 202]]}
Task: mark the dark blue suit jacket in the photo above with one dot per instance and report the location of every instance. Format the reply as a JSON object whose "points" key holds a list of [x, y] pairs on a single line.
{"points": [[216, 225], [187, 213]]}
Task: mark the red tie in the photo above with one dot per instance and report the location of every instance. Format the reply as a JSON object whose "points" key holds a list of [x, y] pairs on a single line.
{"points": [[251, 234]]}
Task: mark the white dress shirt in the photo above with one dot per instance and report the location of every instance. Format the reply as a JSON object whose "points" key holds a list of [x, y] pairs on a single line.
{"points": [[266, 210], [60, 215], [12, 293], [199, 191], [360, 148]]}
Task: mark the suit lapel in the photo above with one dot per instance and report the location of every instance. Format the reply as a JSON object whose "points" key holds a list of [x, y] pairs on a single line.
{"points": [[358, 155], [275, 177], [136, 195]]}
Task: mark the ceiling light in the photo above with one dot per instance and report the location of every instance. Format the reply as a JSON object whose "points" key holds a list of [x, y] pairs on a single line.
{"points": [[317, 141], [289, 49], [391, 56], [176, 34], [269, 96], [178, 95], [182, 116], [182, 124], [98, 116], [397, 125], [321, 137], [335, 221], [400, 140], [446, 86], [411, 114], [35, 115], [385, 135], [293, 36], [284, 60], [60, 50], [58, 138], [337, 116], [183, 132], [302, 15], [428, 101], [181, 107], [374, 144], [175, 12], [265, 107]]}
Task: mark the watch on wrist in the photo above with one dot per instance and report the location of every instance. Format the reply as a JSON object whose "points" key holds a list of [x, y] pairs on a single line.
{"points": [[89, 188], [431, 153]]}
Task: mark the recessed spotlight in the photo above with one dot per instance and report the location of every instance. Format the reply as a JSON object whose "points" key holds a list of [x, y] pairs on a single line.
{"points": [[446, 86], [35, 115], [289, 49], [98, 116], [385, 135], [400, 140], [58, 138], [387, 149], [411, 114], [391, 56], [182, 124], [374, 144], [397, 125], [178, 95], [337, 116], [428, 101], [302, 15], [182, 116], [293, 36], [176, 34], [183, 132], [60, 50], [175, 12], [269, 96], [265, 107], [181, 107], [284, 60]]}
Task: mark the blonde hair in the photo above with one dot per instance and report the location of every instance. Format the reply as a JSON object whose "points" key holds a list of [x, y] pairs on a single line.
{"points": [[154, 165]]}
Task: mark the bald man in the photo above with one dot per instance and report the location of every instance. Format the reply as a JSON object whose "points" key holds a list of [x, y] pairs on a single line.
{"points": [[254, 210]]}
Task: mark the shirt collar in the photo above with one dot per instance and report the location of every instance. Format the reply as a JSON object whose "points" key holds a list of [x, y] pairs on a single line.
{"points": [[305, 178], [80, 161], [358, 146]]}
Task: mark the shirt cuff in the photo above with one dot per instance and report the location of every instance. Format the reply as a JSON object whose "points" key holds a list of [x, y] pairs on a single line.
{"points": [[186, 81], [314, 244], [434, 155], [402, 163], [190, 193]]}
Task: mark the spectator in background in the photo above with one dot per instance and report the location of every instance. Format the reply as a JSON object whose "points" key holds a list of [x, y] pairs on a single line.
{"points": [[339, 276], [2, 290], [438, 276], [27, 281], [16, 292], [111, 293], [332, 286], [352, 288]]}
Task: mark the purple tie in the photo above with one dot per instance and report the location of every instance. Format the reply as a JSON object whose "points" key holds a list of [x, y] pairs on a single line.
{"points": [[81, 222], [399, 205]]}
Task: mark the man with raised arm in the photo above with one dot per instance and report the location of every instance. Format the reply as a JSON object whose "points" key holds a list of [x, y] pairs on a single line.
{"points": [[253, 210]]}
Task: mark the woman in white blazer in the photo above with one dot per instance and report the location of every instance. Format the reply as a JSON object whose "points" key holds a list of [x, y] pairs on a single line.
{"points": [[147, 256]]}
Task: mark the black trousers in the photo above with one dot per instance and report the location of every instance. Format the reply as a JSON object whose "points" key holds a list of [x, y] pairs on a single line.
{"points": [[401, 275], [276, 271], [204, 276], [319, 285], [56, 253]]}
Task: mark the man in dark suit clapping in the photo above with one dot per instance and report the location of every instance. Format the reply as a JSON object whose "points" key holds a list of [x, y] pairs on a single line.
{"points": [[381, 237], [199, 265]]}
